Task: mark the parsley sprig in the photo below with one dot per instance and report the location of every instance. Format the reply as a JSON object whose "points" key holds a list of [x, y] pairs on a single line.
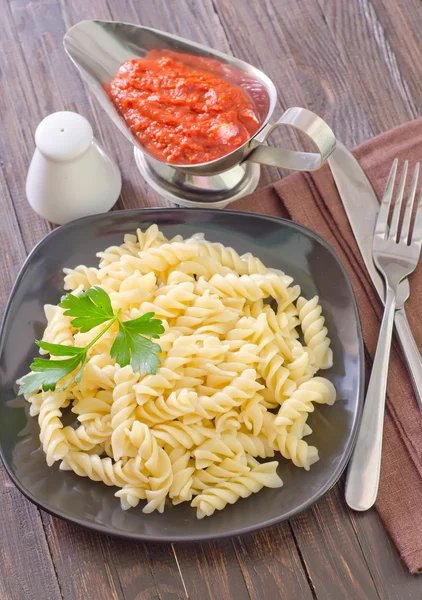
{"points": [[90, 309]]}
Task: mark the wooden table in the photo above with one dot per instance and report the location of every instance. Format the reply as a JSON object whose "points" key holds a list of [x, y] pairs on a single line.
{"points": [[357, 63]]}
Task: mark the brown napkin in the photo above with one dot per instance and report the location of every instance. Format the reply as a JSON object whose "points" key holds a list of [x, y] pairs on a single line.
{"points": [[313, 200]]}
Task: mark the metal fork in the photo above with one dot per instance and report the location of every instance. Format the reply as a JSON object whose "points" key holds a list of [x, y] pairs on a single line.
{"points": [[396, 253]]}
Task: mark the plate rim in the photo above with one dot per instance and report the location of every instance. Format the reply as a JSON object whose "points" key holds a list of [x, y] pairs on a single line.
{"points": [[342, 464]]}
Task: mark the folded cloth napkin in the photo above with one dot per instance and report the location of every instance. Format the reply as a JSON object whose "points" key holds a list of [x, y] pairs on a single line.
{"points": [[313, 200]]}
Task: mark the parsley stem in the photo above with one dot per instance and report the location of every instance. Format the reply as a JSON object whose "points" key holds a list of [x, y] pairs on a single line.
{"points": [[102, 332], [131, 344]]}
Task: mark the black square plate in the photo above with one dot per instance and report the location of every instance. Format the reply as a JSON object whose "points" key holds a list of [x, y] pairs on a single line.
{"points": [[278, 243]]}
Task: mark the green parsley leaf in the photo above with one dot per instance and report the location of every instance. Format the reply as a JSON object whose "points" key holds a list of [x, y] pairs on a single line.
{"points": [[47, 373], [60, 349], [146, 325], [90, 308], [131, 348]]}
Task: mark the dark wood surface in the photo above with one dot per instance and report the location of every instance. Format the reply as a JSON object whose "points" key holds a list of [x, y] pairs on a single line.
{"points": [[358, 63]]}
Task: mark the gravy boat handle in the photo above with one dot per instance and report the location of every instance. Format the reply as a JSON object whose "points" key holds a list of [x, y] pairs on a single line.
{"points": [[306, 122]]}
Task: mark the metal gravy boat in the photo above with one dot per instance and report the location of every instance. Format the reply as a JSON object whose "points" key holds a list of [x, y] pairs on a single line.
{"points": [[98, 48]]}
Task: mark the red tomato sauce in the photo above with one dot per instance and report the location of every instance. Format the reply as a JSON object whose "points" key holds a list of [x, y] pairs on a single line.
{"points": [[181, 109]]}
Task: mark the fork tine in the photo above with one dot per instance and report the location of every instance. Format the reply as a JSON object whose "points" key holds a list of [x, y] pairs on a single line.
{"points": [[394, 227], [405, 230], [382, 219], [417, 230]]}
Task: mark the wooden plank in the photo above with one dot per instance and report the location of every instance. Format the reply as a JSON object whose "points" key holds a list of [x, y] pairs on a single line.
{"points": [[80, 562], [103, 567], [145, 571], [396, 27], [361, 41], [26, 568], [21, 114], [270, 563], [331, 551], [211, 571], [388, 571], [14, 254]]}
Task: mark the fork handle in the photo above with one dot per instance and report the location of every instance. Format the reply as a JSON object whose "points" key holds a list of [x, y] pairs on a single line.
{"points": [[364, 468], [411, 352]]}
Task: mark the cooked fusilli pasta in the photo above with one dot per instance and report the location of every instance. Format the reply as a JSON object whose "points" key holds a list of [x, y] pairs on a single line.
{"points": [[236, 381]]}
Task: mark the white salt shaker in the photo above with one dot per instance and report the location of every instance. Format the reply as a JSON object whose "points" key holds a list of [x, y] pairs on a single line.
{"points": [[70, 175]]}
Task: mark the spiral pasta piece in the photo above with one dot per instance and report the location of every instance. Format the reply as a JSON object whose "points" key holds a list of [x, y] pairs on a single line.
{"points": [[111, 473], [91, 407], [228, 257], [206, 314], [170, 371], [52, 438], [230, 444], [243, 333], [203, 266], [215, 449], [242, 388], [300, 427], [252, 414], [288, 321], [251, 287], [98, 375], [242, 486], [156, 462], [179, 403], [255, 445], [134, 290], [131, 246], [301, 366], [59, 329], [179, 435], [316, 391], [34, 400], [169, 301], [218, 376], [112, 276], [87, 437], [227, 421], [288, 440], [219, 472], [296, 449], [183, 470], [151, 238], [283, 345], [271, 367], [123, 411], [80, 277], [314, 331], [159, 259]]}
